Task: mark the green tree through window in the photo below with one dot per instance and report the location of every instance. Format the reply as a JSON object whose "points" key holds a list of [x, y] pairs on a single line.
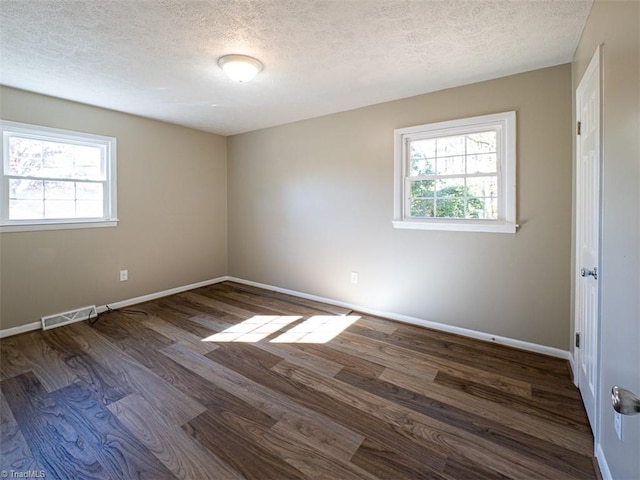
{"points": [[452, 201]]}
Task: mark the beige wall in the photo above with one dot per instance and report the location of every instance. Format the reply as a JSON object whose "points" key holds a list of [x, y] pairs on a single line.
{"points": [[313, 200], [172, 209], [616, 25]]}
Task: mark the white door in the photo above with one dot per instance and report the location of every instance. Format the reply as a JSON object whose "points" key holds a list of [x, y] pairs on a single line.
{"points": [[588, 236]]}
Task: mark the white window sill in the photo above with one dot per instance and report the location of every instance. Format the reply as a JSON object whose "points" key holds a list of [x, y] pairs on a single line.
{"points": [[457, 226], [30, 227]]}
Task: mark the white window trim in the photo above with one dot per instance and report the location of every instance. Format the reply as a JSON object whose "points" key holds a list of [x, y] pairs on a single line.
{"points": [[505, 123], [110, 218]]}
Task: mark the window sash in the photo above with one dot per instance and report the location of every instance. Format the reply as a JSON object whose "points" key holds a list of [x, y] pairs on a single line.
{"points": [[461, 132], [104, 199], [104, 174]]}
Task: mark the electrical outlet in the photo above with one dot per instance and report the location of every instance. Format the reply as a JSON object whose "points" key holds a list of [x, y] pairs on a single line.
{"points": [[354, 277], [617, 424], [124, 275]]}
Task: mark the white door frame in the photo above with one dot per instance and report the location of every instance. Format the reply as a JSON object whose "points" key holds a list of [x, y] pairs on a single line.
{"points": [[595, 63]]}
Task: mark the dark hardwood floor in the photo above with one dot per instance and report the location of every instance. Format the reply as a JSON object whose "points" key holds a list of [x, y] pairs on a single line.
{"points": [[139, 394]]}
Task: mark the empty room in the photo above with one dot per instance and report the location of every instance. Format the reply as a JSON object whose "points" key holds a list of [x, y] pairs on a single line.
{"points": [[320, 239]]}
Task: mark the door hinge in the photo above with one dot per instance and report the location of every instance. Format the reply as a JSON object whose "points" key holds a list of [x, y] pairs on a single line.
{"points": [[579, 127], [577, 340]]}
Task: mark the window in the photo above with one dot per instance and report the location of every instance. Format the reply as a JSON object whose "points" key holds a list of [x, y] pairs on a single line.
{"points": [[55, 179], [457, 175]]}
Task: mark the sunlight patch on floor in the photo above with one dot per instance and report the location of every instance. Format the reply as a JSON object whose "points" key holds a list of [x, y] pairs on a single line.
{"points": [[253, 329], [316, 329]]}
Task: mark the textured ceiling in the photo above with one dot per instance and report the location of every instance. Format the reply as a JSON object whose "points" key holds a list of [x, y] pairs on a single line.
{"points": [[157, 58]]}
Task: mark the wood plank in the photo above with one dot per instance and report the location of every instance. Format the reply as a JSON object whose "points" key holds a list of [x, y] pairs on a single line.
{"points": [[458, 467], [172, 310], [177, 334], [337, 445], [227, 302], [104, 385], [15, 454], [384, 462], [490, 351], [13, 362], [322, 307], [283, 306], [177, 406], [57, 445], [401, 359], [29, 352], [119, 325], [117, 450], [554, 412], [543, 429], [300, 357], [512, 362], [228, 436], [376, 324], [309, 459], [177, 450], [196, 304], [343, 359]]}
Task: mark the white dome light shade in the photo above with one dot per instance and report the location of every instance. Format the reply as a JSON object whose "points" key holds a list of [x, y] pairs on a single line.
{"points": [[240, 67]]}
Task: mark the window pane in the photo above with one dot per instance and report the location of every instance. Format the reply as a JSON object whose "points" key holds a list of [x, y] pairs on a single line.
{"points": [[422, 166], [89, 209], [487, 163], [26, 189], [89, 191], [59, 209], [476, 207], [41, 158], [25, 156], [25, 209], [88, 163], [423, 149], [483, 142], [450, 187], [447, 146], [483, 186], [422, 188], [450, 207], [57, 160], [59, 190], [483, 208], [451, 165], [421, 207]]}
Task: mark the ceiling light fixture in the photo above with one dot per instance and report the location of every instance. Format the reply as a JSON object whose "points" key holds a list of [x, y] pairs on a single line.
{"points": [[240, 68]]}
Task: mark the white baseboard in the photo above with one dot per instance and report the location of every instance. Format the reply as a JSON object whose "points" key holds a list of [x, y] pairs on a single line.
{"points": [[532, 347], [164, 293], [602, 464], [7, 332], [572, 366]]}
